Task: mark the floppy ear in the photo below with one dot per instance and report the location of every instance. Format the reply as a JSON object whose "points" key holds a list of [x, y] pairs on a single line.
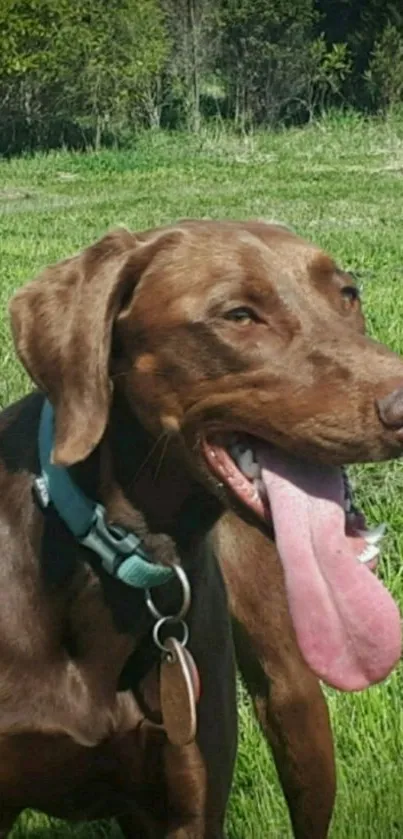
{"points": [[62, 326]]}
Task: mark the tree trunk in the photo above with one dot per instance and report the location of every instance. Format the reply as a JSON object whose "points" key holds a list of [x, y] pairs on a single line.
{"points": [[98, 132], [194, 29]]}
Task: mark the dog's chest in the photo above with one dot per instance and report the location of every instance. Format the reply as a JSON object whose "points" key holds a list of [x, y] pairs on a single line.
{"points": [[55, 774]]}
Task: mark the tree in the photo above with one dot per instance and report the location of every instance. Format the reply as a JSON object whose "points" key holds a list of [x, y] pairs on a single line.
{"points": [[194, 27], [85, 66], [263, 44], [359, 25], [384, 76]]}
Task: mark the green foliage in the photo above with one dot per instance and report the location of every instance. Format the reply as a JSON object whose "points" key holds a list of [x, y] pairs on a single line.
{"points": [[93, 73], [265, 45], [325, 71], [360, 26], [195, 30], [86, 65], [385, 72]]}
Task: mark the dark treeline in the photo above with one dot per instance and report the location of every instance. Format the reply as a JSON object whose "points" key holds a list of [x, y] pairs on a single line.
{"points": [[89, 73]]}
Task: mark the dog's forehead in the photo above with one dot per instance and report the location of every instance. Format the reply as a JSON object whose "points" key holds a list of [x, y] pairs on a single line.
{"points": [[212, 264], [208, 254]]}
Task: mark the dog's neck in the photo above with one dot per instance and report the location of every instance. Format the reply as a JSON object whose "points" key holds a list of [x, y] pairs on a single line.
{"points": [[129, 469], [122, 473], [150, 473]]}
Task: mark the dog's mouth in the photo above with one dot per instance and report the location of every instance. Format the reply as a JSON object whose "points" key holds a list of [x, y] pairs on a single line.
{"points": [[347, 624]]}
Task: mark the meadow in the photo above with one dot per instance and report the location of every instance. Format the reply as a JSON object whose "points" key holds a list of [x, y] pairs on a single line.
{"points": [[339, 183]]}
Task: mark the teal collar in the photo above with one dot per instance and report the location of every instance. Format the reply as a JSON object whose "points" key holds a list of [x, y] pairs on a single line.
{"points": [[121, 552]]}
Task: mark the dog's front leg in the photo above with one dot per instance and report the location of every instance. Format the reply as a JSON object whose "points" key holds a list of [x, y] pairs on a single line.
{"points": [[287, 698], [293, 715]]}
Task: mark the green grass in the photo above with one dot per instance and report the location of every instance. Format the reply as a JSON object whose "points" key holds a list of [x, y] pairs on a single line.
{"points": [[339, 183]]}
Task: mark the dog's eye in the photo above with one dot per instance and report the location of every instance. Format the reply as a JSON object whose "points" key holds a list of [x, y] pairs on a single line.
{"points": [[243, 315], [350, 293]]}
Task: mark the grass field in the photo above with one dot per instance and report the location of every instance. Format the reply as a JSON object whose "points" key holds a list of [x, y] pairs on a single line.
{"points": [[339, 183]]}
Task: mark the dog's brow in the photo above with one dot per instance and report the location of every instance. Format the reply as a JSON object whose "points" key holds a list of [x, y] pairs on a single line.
{"points": [[323, 264]]}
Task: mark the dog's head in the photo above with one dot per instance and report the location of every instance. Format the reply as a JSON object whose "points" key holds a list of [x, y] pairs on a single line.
{"points": [[210, 327], [248, 344]]}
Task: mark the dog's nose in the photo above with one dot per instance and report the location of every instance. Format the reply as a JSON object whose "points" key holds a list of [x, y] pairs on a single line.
{"points": [[390, 409]]}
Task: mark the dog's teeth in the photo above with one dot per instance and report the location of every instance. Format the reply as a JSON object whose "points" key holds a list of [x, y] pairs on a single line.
{"points": [[375, 535], [369, 553], [244, 459], [248, 466], [236, 450], [253, 471], [347, 504], [260, 488]]}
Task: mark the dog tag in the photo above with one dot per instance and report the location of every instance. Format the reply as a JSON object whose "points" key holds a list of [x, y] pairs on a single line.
{"points": [[179, 693]]}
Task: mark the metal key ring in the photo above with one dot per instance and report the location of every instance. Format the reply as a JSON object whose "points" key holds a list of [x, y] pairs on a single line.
{"points": [[186, 595], [158, 626]]}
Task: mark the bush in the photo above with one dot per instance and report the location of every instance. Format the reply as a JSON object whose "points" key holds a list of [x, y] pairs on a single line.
{"points": [[384, 76]]}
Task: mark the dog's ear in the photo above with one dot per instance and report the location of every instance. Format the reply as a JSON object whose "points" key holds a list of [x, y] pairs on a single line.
{"points": [[62, 326]]}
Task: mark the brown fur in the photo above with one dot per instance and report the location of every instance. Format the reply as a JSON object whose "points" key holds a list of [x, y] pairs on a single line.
{"points": [[131, 342]]}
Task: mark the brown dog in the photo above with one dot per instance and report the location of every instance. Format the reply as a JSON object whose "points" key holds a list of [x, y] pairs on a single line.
{"points": [[166, 356]]}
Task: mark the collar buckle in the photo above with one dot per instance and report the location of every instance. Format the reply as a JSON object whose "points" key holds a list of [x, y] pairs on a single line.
{"points": [[110, 542]]}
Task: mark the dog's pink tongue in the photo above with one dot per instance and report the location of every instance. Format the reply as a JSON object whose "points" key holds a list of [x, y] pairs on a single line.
{"points": [[347, 625]]}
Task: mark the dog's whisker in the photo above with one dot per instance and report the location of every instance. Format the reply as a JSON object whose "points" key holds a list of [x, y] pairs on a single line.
{"points": [[144, 462], [163, 453], [120, 375]]}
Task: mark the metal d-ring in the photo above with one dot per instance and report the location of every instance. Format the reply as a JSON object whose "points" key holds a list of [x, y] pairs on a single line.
{"points": [[186, 598], [158, 626]]}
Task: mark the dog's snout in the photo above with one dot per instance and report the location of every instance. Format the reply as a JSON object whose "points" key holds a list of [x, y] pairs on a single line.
{"points": [[390, 409]]}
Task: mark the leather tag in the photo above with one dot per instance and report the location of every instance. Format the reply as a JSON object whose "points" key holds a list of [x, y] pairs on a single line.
{"points": [[179, 693]]}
